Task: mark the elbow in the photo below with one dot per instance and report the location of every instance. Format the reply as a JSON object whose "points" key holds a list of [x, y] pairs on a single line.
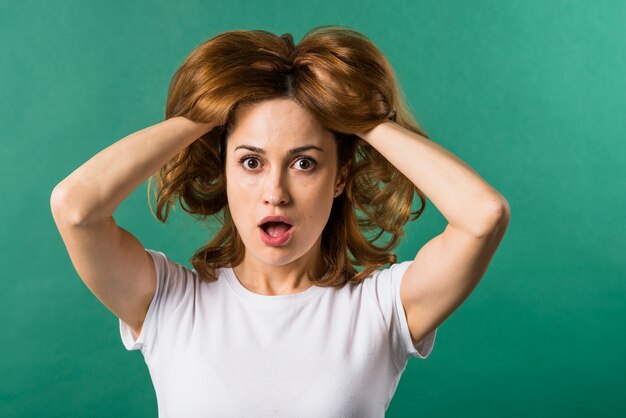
{"points": [[498, 209], [61, 208], [497, 214]]}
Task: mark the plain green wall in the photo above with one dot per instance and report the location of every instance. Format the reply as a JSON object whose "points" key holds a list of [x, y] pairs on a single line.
{"points": [[531, 94]]}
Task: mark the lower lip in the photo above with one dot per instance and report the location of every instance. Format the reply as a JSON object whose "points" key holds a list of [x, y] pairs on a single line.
{"points": [[278, 240]]}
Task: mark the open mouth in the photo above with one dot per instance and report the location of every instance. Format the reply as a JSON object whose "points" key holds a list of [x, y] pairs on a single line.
{"points": [[275, 229]]}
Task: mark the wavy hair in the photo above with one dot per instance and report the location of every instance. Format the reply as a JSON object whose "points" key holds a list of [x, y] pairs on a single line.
{"points": [[346, 82]]}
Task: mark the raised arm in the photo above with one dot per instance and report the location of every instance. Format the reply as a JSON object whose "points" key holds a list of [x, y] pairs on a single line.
{"points": [[448, 267], [111, 261]]}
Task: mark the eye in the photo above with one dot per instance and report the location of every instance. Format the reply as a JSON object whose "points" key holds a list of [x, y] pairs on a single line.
{"points": [[244, 159], [309, 163]]}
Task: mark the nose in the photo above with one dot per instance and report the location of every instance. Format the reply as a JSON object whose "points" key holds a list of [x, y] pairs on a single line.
{"points": [[274, 190]]}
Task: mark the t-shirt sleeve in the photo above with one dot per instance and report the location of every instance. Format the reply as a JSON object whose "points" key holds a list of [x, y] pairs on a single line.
{"points": [[175, 286], [385, 287]]}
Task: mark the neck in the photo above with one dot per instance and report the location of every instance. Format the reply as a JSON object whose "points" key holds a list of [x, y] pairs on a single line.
{"points": [[273, 280]]}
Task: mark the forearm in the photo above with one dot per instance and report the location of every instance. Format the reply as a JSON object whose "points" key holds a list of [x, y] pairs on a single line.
{"points": [[95, 189], [464, 198]]}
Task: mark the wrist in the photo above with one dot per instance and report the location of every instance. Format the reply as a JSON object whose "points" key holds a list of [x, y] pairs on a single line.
{"points": [[367, 135], [199, 127]]}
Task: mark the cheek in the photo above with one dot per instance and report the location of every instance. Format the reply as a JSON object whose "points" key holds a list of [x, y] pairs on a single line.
{"points": [[319, 205], [239, 191], [238, 183], [236, 193]]}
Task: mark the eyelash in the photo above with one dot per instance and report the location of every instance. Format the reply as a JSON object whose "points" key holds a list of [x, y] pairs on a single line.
{"points": [[300, 157]]}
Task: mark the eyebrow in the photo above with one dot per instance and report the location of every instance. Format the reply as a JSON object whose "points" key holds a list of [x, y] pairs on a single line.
{"points": [[293, 151]]}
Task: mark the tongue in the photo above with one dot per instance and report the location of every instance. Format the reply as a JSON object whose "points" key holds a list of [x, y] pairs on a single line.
{"points": [[276, 228]]}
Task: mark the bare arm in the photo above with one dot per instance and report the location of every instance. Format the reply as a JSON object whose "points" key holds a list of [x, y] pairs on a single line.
{"points": [[95, 189], [110, 260], [448, 268]]}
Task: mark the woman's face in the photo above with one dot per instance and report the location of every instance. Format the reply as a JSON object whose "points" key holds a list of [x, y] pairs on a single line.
{"points": [[267, 175]]}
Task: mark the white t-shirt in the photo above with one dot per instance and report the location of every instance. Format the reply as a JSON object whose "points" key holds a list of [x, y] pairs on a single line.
{"points": [[220, 350]]}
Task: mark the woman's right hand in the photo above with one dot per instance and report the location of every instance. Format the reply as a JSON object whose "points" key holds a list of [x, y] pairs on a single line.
{"points": [[199, 102]]}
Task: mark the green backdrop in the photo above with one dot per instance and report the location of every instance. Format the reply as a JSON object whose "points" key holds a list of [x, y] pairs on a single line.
{"points": [[531, 94]]}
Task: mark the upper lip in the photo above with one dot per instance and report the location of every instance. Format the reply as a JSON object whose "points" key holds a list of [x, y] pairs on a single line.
{"points": [[276, 218]]}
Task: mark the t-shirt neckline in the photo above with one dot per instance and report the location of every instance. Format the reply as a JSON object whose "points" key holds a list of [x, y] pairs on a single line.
{"points": [[271, 300]]}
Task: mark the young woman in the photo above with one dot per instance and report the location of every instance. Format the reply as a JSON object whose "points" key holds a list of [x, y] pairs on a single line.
{"points": [[299, 151]]}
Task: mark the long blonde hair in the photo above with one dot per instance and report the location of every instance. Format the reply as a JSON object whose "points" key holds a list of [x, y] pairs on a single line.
{"points": [[340, 76]]}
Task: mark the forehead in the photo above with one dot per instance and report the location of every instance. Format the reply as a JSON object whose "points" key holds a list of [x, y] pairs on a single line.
{"points": [[277, 123]]}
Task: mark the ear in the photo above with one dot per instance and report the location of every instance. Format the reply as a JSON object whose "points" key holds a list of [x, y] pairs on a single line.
{"points": [[342, 177]]}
